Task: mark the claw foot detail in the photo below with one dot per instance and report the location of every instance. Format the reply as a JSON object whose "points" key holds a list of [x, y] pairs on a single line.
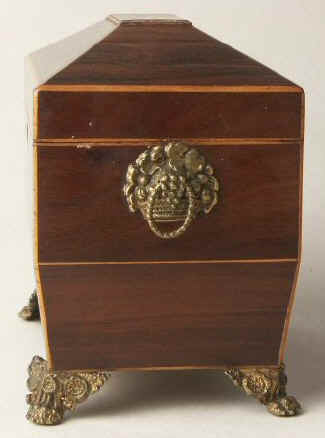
{"points": [[268, 385], [31, 311], [52, 393], [284, 407]]}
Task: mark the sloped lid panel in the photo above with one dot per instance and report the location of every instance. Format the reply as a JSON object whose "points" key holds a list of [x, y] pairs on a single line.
{"points": [[130, 78], [44, 63], [156, 52]]}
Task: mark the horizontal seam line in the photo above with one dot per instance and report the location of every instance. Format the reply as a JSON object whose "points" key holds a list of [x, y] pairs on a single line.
{"points": [[171, 368], [151, 262], [209, 141]]}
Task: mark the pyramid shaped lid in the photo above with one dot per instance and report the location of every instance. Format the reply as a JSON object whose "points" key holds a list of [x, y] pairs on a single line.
{"points": [[147, 50]]}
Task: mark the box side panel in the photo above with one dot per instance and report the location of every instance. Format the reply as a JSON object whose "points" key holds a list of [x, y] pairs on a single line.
{"points": [[294, 286], [138, 316], [100, 115], [84, 217]]}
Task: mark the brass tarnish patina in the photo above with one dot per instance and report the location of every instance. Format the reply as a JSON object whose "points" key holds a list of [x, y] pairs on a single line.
{"points": [[52, 393], [268, 385], [168, 183], [31, 311]]}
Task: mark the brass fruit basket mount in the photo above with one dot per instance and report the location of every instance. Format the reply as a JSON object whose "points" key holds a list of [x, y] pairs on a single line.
{"points": [[168, 183]]}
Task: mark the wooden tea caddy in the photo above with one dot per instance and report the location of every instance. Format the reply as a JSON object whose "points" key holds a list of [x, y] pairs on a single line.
{"points": [[168, 181]]}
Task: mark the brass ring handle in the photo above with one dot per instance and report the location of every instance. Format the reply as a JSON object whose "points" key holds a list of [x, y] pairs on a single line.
{"points": [[168, 183], [180, 230]]}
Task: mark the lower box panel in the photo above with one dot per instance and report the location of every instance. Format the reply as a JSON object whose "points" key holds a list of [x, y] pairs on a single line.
{"points": [[109, 316]]}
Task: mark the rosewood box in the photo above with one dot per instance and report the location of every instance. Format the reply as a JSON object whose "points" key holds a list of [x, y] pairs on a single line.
{"points": [[168, 181]]}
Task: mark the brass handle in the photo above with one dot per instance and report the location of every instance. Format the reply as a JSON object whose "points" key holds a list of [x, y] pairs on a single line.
{"points": [[170, 183], [188, 219]]}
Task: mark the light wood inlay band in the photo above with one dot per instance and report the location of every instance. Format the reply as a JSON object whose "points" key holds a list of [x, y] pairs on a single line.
{"points": [[173, 88]]}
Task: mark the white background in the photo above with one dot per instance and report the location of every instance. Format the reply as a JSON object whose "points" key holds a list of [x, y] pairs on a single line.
{"points": [[288, 36]]}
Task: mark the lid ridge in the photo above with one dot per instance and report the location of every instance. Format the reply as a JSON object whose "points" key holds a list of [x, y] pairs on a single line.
{"points": [[147, 19]]}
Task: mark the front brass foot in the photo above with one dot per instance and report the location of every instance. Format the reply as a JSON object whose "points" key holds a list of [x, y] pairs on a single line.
{"points": [[31, 311], [268, 385], [52, 393]]}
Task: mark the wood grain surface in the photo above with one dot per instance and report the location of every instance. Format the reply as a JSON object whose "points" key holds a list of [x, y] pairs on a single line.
{"points": [[130, 316], [83, 216], [165, 54], [91, 114], [112, 294]]}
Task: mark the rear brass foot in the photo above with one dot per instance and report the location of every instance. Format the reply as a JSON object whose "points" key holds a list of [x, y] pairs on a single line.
{"points": [[31, 311], [52, 393], [268, 385]]}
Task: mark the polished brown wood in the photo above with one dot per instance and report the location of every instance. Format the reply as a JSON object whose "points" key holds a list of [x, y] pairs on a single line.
{"points": [[95, 114], [83, 217], [285, 332], [161, 53], [112, 294], [134, 316]]}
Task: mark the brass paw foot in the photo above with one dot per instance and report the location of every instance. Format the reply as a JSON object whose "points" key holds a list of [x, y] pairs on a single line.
{"points": [[52, 393], [268, 385], [284, 407], [31, 311]]}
